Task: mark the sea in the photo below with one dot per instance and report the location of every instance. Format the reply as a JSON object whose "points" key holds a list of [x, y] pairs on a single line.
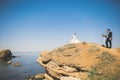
{"points": [[28, 66]]}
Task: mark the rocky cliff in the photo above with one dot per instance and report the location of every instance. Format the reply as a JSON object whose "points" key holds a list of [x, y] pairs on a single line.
{"points": [[83, 61]]}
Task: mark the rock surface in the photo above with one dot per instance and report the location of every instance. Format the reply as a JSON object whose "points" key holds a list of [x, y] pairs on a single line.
{"points": [[69, 78], [9, 62], [83, 61], [5, 54], [39, 76]]}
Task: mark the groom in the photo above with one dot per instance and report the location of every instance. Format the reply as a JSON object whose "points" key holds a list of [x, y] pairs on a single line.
{"points": [[108, 39]]}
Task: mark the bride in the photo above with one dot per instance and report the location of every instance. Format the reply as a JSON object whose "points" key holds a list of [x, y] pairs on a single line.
{"points": [[74, 39]]}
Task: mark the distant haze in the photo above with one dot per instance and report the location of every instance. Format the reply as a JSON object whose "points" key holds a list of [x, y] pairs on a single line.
{"points": [[35, 25]]}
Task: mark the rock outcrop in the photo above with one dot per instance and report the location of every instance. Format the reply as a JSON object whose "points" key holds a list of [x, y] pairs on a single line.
{"points": [[81, 61], [17, 64], [5, 54]]}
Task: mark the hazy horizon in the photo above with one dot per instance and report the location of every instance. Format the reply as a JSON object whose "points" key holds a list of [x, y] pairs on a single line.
{"points": [[38, 25]]}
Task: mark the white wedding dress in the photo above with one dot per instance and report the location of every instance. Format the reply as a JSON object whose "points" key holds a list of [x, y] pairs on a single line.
{"points": [[74, 39]]}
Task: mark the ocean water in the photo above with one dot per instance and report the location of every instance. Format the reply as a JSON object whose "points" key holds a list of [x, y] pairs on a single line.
{"points": [[28, 67]]}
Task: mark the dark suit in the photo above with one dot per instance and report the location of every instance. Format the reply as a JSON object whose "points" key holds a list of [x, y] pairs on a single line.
{"points": [[109, 40]]}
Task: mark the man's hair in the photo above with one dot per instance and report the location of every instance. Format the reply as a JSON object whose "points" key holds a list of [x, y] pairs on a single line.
{"points": [[108, 29]]}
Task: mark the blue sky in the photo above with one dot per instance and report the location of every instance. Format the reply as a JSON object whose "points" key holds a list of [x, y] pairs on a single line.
{"points": [[35, 25]]}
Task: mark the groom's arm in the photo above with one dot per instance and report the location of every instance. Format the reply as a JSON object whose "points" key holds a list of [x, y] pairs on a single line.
{"points": [[110, 36]]}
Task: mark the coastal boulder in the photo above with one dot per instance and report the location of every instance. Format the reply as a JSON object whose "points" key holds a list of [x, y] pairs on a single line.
{"points": [[17, 64], [5, 54]]}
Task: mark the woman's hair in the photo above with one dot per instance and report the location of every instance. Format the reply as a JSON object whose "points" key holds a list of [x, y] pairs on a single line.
{"points": [[74, 33]]}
